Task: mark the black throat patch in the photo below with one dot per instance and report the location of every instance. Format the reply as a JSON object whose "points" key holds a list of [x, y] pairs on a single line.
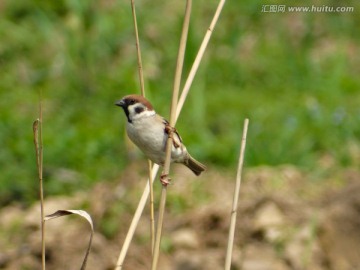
{"points": [[126, 111]]}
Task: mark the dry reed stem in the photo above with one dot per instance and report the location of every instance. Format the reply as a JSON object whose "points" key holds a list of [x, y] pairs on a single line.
{"points": [[38, 142], [142, 87], [155, 168], [198, 58], [152, 215], [135, 220], [236, 198], [175, 95], [138, 49], [155, 256]]}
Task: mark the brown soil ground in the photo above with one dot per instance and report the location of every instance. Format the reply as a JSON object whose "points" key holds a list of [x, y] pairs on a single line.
{"points": [[287, 219]]}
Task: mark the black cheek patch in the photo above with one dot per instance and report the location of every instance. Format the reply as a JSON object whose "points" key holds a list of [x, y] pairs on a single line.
{"points": [[139, 109]]}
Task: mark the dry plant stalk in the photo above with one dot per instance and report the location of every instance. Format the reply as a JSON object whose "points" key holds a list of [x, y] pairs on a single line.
{"points": [[138, 49], [236, 198], [152, 215], [38, 142], [199, 57], [176, 89], [135, 220], [142, 87], [155, 167]]}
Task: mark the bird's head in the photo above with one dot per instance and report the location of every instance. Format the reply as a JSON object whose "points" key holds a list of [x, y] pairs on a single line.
{"points": [[135, 107]]}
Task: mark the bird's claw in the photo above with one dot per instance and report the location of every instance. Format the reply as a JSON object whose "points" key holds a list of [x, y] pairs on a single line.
{"points": [[164, 179], [169, 129]]}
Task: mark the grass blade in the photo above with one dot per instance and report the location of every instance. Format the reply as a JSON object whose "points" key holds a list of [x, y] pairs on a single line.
{"points": [[84, 214]]}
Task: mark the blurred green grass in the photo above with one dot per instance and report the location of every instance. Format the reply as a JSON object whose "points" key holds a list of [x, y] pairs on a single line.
{"points": [[295, 75]]}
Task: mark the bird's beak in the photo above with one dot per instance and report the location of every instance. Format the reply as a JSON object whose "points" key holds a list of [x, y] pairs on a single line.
{"points": [[120, 103]]}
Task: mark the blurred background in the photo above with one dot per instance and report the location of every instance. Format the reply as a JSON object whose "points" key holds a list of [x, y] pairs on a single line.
{"points": [[295, 75]]}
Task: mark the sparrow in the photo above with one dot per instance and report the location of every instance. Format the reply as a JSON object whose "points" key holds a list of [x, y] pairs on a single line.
{"points": [[149, 131]]}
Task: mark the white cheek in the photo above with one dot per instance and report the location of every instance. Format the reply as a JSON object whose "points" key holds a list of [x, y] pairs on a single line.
{"points": [[134, 115], [132, 112], [147, 113]]}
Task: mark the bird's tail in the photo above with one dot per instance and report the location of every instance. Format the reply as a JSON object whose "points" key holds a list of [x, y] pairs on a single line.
{"points": [[195, 165]]}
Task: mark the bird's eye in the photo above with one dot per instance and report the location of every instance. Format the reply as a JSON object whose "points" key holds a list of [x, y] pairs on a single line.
{"points": [[139, 109], [132, 101]]}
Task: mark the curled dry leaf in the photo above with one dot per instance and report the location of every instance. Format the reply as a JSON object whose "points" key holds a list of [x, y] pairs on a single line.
{"points": [[83, 214]]}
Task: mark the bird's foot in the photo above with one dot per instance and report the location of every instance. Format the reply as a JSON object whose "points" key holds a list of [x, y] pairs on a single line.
{"points": [[164, 179], [169, 129]]}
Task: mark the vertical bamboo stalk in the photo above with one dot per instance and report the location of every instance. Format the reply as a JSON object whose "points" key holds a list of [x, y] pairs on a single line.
{"points": [[236, 198]]}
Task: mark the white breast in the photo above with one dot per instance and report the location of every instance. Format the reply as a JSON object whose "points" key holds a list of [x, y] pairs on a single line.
{"points": [[149, 135]]}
